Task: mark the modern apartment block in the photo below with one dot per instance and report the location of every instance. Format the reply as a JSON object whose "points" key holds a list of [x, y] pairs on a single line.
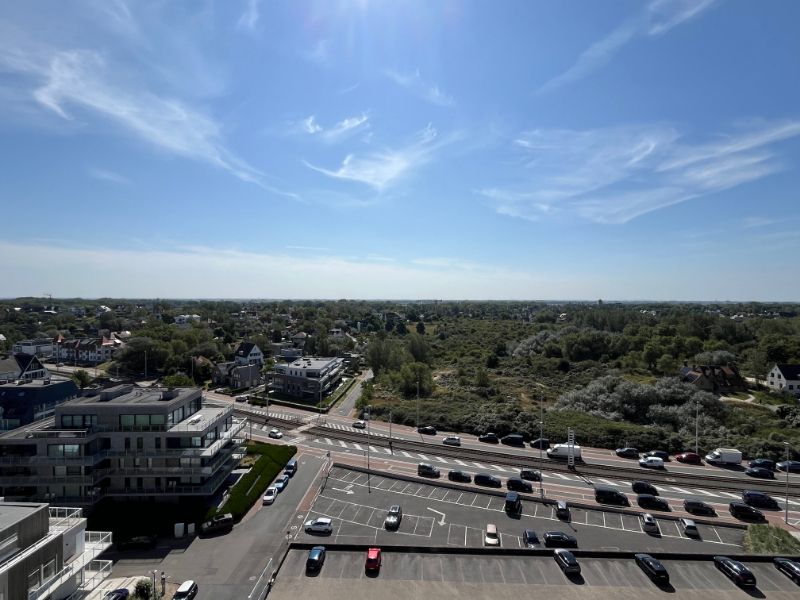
{"points": [[46, 552], [40, 347], [307, 377], [24, 402], [125, 442]]}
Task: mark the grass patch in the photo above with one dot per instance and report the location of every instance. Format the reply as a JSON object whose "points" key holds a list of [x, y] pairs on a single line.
{"points": [[270, 461], [766, 539], [774, 399]]}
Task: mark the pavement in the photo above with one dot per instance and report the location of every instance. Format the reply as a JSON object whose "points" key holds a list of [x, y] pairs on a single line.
{"points": [[412, 576]]}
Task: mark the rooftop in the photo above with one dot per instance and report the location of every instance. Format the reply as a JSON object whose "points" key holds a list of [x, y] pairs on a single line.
{"points": [[128, 394], [313, 362], [11, 512]]}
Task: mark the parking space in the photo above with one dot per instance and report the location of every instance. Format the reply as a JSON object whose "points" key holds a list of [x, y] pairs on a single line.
{"points": [[409, 575], [439, 516]]}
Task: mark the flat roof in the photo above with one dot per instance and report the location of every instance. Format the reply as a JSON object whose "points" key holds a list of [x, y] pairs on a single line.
{"points": [[33, 383], [313, 363], [199, 420], [11, 513], [126, 394]]}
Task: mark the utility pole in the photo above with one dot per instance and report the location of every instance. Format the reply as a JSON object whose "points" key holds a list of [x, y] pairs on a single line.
{"points": [[369, 418], [571, 445], [696, 428], [541, 435], [145, 365], [786, 505], [417, 400], [390, 432]]}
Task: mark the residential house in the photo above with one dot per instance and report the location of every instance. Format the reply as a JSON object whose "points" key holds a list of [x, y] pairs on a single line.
{"points": [[714, 378], [20, 366], [299, 339], [248, 353], [24, 402], [237, 376], [785, 378], [41, 347], [187, 319], [308, 378]]}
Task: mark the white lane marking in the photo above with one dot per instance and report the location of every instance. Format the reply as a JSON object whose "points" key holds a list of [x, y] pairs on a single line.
{"points": [[406, 454], [422, 456], [357, 447], [440, 459], [479, 465], [607, 482], [705, 492], [373, 449], [731, 495], [462, 463], [626, 483], [499, 468], [562, 476], [342, 444], [329, 441], [680, 490]]}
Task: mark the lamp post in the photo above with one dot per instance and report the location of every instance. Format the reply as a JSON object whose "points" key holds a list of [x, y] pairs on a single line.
{"points": [[786, 505], [369, 418], [390, 432], [696, 428], [155, 590], [417, 400]]}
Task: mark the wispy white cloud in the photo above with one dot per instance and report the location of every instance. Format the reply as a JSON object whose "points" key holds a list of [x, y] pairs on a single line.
{"points": [[754, 222], [657, 18], [249, 18], [383, 168], [309, 125], [615, 175], [418, 86], [343, 128], [309, 248], [106, 175], [319, 52]]}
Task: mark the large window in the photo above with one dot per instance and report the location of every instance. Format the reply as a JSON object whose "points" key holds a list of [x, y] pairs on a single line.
{"points": [[78, 420], [141, 422], [63, 450]]}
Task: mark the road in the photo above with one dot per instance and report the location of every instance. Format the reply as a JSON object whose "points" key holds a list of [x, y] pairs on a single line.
{"points": [[346, 407]]}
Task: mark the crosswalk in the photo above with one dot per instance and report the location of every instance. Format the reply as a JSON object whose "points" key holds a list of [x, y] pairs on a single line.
{"points": [[509, 470]]}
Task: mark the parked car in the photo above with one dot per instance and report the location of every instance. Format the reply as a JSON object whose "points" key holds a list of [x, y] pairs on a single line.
{"points": [[118, 594], [270, 495], [513, 505], [491, 537], [186, 591], [649, 524], [689, 527], [373, 562], [275, 434], [652, 502], [426, 470], [788, 567], [489, 438], [759, 499], [393, 517], [607, 495], [530, 539], [530, 474], [319, 525], [518, 485], [644, 487], [139, 542], [459, 476], [567, 561], [651, 462], [562, 510], [735, 571], [627, 452], [217, 524], [763, 463], [662, 454], [316, 558], [652, 568], [451, 440], [281, 482], [540, 443], [360, 424], [559, 539], [689, 458], [427, 430], [759, 473], [698, 507], [793, 466], [513, 439], [488, 480], [743, 511]]}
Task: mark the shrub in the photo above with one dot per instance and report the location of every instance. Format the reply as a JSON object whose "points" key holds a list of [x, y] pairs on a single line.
{"points": [[143, 590]]}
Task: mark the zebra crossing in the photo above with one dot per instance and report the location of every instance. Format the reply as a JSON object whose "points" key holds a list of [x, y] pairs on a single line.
{"points": [[725, 496]]}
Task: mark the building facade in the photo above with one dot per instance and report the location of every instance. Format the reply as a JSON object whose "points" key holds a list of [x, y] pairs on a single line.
{"points": [[22, 367], [307, 378], [248, 353], [41, 347], [26, 402], [147, 444], [785, 378], [47, 553]]}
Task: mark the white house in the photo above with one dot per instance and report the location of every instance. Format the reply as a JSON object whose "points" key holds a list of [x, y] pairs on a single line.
{"points": [[186, 319], [248, 353], [785, 378]]}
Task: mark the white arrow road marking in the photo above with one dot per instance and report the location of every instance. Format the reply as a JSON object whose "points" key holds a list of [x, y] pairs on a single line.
{"points": [[440, 521]]}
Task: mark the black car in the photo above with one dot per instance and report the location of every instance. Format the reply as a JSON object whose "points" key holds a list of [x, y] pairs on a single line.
{"points": [[652, 568], [698, 507], [627, 452], [139, 542], [643, 487], [518, 485], [118, 594], [759, 499], [316, 558], [559, 539], [530, 474], [513, 439], [541, 443], [217, 524], [789, 568], [489, 438], [759, 473], [427, 430], [529, 538], [763, 463], [488, 480], [459, 476], [652, 502], [735, 571], [658, 454], [567, 561], [740, 510], [793, 466]]}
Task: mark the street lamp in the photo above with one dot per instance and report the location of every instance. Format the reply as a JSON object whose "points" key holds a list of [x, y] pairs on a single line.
{"points": [[155, 590], [786, 506], [369, 418], [696, 427]]}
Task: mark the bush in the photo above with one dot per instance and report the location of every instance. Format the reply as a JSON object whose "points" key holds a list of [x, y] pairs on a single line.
{"points": [[143, 589]]}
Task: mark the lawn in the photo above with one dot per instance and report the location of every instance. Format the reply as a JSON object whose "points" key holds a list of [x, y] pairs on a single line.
{"points": [[766, 539]]}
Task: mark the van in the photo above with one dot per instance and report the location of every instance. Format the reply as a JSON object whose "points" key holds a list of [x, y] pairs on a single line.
{"points": [[513, 439], [608, 495], [513, 503], [291, 467], [563, 451], [186, 591], [426, 470]]}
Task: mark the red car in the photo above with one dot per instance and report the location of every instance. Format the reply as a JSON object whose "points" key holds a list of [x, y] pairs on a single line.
{"points": [[373, 559], [689, 457]]}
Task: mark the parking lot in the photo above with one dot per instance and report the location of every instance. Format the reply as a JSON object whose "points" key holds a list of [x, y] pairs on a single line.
{"points": [[404, 575], [438, 516]]}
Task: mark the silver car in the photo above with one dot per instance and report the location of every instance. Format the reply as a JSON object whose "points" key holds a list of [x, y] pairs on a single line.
{"points": [[319, 525]]}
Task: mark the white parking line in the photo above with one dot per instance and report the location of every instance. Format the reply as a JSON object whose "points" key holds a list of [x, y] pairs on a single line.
{"points": [[357, 447], [499, 468], [440, 459], [704, 492], [422, 456], [479, 465], [680, 490], [462, 463], [607, 482]]}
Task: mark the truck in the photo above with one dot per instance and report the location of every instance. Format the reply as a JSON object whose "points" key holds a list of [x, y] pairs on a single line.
{"points": [[724, 456], [562, 451]]}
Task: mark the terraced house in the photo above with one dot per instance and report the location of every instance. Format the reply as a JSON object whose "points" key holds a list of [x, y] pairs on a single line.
{"points": [[148, 444]]}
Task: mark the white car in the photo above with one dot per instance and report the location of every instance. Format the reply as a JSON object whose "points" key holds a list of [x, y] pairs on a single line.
{"points": [[649, 524], [270, 495], [651, 462], [275, 434], [319, 525], [451, 440], [490, 536]]}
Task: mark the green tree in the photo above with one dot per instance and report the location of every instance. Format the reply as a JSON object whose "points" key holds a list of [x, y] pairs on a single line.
{"points": [[667, 365], [419, 348], [143, 590], [413, 374], [482, 378], [81, 378], [492, 362], [177, 380], [421, 328]]}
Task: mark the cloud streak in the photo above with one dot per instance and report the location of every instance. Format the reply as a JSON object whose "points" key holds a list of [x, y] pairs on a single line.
{"points": [[106, 175], [250, 16], [340, 130], [429, 92], [657, 18], [615, 175]]}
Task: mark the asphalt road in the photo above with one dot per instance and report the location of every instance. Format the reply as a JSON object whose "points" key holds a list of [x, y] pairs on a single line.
{"points": [[492, 577], [348, 404]]}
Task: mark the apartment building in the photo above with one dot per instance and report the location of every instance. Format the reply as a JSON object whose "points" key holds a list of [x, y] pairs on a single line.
{"points": [[146, 444], [41, 347], [307, 377], [46, 552], [23, 402]]}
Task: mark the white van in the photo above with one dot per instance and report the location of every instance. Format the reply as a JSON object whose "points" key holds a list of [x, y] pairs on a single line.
{"points": [[563, 450]]}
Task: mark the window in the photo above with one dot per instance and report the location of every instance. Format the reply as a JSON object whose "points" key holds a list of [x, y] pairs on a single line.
{"points": [[158, 443], [139, 443], [143, 420], [126, 421], [127, 443], [63, 450]]}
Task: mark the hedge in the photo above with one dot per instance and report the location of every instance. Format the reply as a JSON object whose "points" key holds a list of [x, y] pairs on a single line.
{"points": [[251, 486]]}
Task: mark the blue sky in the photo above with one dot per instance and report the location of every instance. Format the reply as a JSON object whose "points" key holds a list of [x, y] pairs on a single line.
{"points": [[377, 149]]}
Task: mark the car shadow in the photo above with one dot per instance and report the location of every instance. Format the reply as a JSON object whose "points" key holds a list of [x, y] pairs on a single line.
{"points": [[371, 574], [666, 587], [754, 592], [314, 573], [577, 579]]}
